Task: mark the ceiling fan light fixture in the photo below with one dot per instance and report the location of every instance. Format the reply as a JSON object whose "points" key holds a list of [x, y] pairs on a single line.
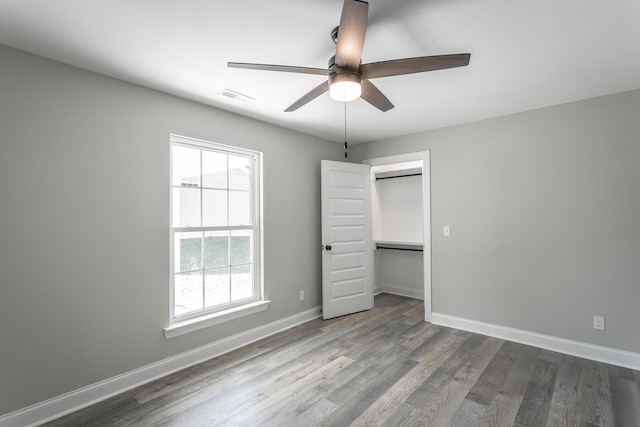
{"points": [[345, 87]]}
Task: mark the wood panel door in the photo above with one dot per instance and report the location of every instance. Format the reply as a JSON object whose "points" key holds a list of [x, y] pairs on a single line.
{"points": [[347, 255]]}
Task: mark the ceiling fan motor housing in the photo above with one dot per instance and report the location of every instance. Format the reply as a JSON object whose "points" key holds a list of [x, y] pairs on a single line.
{"points": [[335, 70], [345, 76]]}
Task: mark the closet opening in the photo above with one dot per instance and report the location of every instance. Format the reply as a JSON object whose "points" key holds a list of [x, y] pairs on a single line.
{"points": [[400, 226]]}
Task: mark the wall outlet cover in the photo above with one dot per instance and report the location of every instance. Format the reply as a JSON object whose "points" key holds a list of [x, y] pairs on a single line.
{"points": [[598, 323]]}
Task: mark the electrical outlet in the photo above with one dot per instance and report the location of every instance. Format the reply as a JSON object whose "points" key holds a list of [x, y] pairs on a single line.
{"points": [[598, 322], [301, 295], [446, 231]]}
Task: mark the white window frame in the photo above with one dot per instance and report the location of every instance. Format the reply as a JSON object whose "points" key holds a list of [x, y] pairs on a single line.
{"points": [[199, 319]]}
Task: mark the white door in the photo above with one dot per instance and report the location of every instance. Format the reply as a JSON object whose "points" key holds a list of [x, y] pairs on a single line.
{"points": [[347, 257]]}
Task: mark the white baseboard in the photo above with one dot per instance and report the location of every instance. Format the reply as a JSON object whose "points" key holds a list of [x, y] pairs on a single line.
{"points": [[609, 355], [403, 292], [69, 402]]}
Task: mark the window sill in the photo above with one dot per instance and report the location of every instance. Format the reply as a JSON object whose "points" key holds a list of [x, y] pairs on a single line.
{"points": [[192, 325]]}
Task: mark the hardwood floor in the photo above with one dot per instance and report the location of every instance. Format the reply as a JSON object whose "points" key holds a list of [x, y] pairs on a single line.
{"points": [[383, 367]]}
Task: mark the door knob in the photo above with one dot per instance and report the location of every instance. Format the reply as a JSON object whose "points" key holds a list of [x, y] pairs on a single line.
{"points": [[328, 247]]}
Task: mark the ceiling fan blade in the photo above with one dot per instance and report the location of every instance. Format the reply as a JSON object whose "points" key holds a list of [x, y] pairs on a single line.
{"points": [[420, 64], [284, 68], [309, 96], [374, 96], [353, 25]]}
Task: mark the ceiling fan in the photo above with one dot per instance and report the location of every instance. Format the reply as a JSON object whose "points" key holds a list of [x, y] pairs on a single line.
{"points": [[348, 78]]}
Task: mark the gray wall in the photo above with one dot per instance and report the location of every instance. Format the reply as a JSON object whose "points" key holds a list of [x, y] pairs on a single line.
{"points": [[544, 209], [84, 224]]}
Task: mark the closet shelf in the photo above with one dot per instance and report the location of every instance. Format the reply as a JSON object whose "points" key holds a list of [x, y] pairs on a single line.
{"points": [[397, 170]]}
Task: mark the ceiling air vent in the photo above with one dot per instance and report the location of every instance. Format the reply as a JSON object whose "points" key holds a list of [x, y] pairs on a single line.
{"points": [[236, 96]]}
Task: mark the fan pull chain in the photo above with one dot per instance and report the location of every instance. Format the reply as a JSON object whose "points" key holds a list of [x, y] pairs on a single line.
{"points": [[346, 146]]}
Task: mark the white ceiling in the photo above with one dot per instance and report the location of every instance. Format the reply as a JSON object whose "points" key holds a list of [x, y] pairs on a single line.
{"points": [[524, 55]]}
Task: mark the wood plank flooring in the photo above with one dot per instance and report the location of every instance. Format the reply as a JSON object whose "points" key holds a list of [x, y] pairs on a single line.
{"points": [[383, 367]]}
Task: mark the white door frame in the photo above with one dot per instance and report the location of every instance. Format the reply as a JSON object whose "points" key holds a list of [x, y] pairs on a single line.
{"points": [[424, 156]]}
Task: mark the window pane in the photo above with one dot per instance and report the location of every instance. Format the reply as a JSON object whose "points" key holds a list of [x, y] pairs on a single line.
{"points": [[239, 176], [185, 166], [239, 205], [216, 287], [216, 249], [188, 292], [186, 207], [214, 170], [241, 282], [214, 207], [241, 247], [188, 252]]}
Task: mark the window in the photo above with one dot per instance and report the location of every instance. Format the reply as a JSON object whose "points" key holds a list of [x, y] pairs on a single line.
{"points": [[215, 228]]}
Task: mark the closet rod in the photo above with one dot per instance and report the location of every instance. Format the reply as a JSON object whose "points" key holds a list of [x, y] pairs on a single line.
{"points": [[398, 249], [397, 176]]}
